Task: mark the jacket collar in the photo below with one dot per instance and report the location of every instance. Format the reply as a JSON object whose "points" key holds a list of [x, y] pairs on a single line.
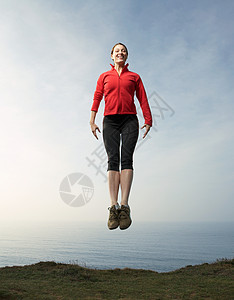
{"points": [[125, 68]]}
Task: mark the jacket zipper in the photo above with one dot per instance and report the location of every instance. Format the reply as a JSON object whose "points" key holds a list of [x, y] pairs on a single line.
{"points": [[119, 100]]}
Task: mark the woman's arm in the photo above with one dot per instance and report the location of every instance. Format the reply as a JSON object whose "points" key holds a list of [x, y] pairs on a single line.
{"points": [[92, 117], [142, 97], [94, 127], [98, 94], [143, 100]]}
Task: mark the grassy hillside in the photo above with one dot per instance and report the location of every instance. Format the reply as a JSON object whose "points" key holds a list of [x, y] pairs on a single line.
{"points": [[50, 280]]}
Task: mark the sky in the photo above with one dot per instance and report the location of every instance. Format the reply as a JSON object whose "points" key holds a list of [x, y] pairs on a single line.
{"points": [[51, 55]]}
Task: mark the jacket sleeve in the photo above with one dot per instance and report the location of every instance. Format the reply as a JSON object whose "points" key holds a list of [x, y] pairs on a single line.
{"points": [[142, 98], [98, 94]]}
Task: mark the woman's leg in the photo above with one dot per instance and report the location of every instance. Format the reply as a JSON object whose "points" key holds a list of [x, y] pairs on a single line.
{"points": [[111, 137], [126, 177], [130, 132], [114, 181]]}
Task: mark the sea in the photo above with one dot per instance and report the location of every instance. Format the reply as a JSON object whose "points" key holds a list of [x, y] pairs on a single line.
{"points": [[160, 247]]}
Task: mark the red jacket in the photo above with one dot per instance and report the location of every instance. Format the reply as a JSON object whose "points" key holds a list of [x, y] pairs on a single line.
{"points": [[119, 93]]}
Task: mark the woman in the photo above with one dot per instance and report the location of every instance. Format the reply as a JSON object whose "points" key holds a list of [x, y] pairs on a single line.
{"points": [[120, 123]]}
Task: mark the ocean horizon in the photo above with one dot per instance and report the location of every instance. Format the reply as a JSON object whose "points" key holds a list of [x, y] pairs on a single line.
{"points": [[157, 246]]}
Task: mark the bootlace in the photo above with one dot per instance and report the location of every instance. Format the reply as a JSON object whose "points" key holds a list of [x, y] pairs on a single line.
{"points": [[113, 213], [124, 213]]}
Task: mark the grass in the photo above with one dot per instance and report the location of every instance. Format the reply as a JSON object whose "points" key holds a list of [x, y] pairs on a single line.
{"points": [[50, 280]]}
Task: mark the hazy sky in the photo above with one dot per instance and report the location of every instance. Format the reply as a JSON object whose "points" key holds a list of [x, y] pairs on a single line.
{"points": [[51, 54]]}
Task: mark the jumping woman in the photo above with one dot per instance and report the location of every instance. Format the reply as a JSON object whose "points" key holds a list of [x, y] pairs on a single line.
{"points": [[120, 123]]}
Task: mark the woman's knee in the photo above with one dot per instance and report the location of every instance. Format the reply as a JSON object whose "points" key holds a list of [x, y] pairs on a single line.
{"points": [[113, 166]]}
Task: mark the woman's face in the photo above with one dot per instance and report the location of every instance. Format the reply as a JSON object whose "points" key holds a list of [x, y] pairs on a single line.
{"points": [[119, 54]]}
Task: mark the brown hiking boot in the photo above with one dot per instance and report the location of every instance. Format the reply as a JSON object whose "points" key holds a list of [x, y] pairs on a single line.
{"points": [[124, 217], [113, 221]]}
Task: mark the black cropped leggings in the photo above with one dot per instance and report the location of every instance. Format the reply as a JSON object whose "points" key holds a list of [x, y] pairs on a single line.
{"points": [[124, 128]]}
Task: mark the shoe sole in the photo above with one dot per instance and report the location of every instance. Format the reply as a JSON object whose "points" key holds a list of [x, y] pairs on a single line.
{"points": [[123, 228], [113, 228]]}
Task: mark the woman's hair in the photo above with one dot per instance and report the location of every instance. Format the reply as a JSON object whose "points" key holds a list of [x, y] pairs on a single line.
{"points": [[119, 44]]}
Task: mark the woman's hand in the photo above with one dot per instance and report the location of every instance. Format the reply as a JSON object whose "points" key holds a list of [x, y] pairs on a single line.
{"points": [[94, 127], [147, 129]]}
